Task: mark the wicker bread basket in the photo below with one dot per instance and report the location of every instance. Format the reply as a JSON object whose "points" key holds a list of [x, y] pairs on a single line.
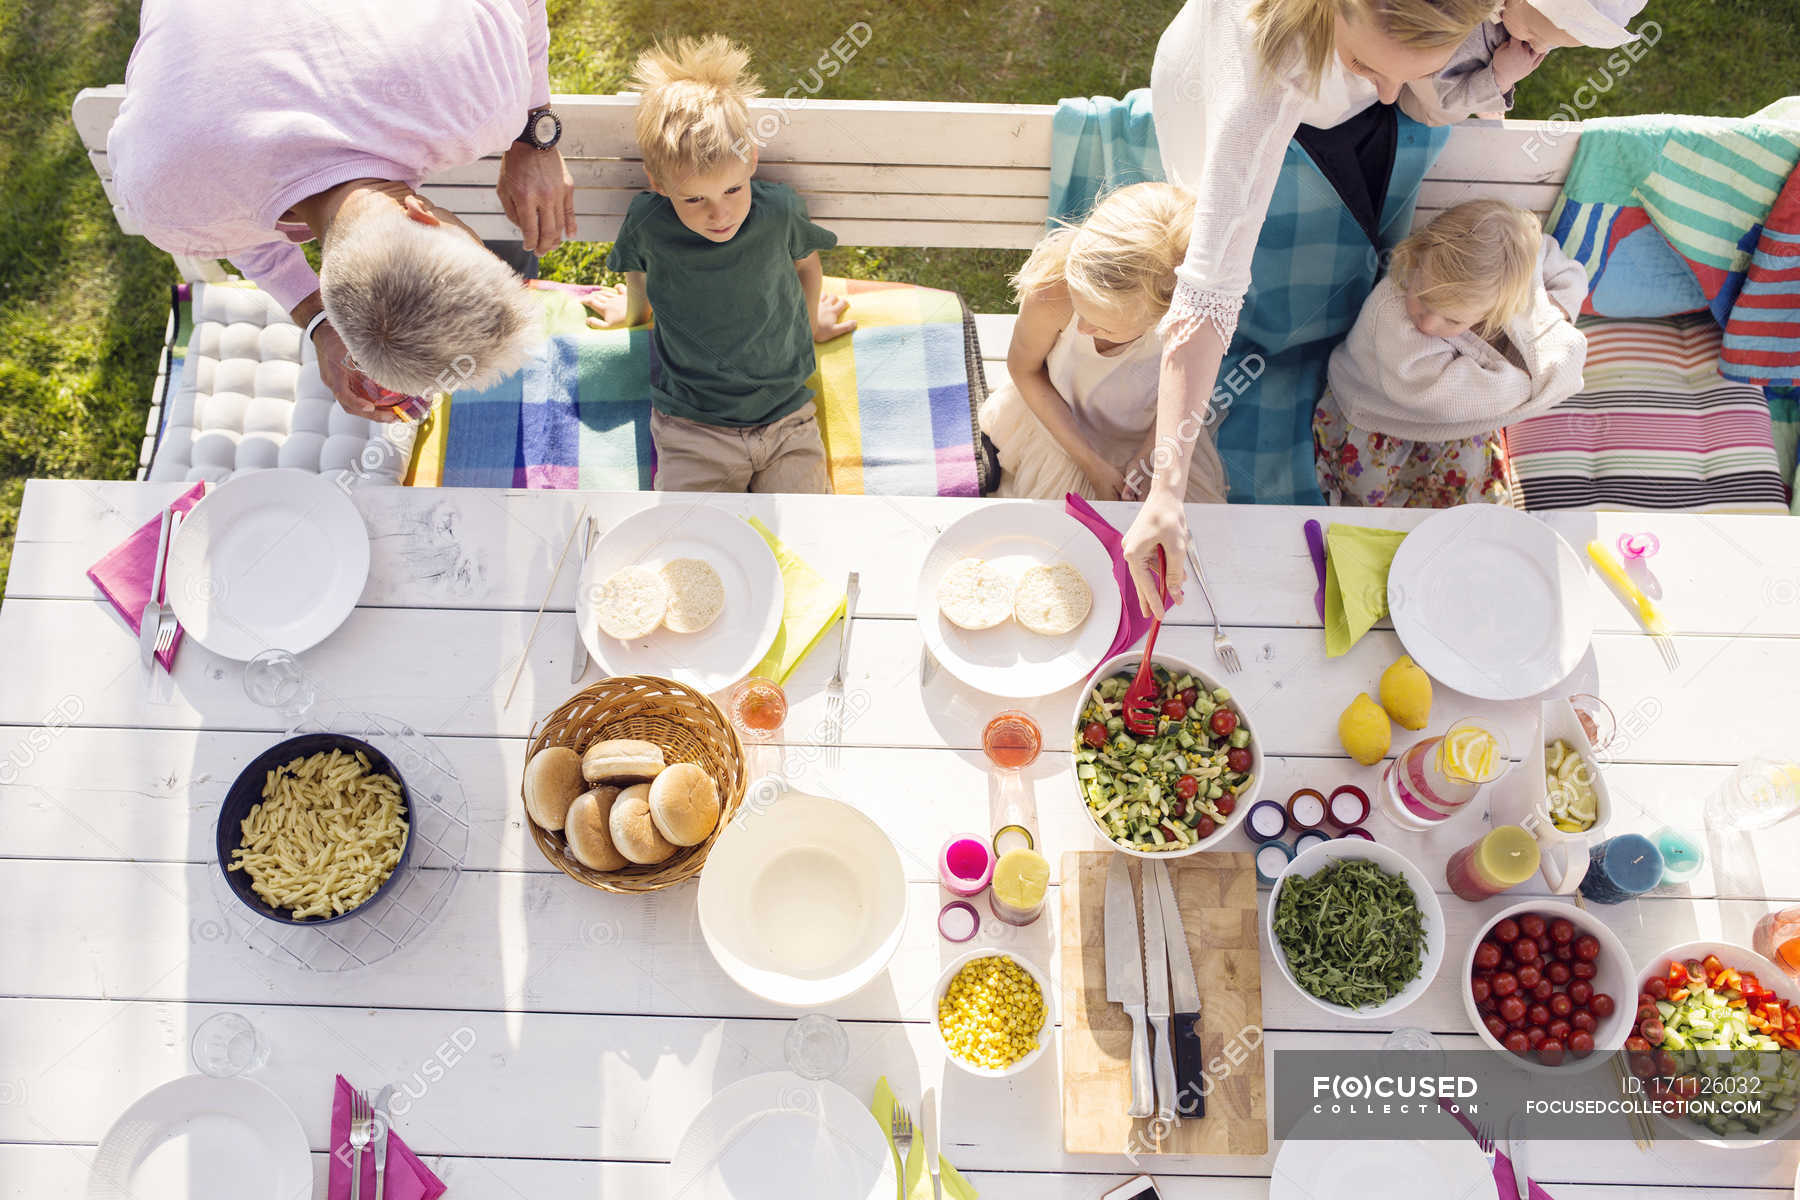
{"points": [[689, 728]]}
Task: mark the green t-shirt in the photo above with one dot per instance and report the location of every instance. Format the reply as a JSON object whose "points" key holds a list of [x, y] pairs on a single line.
{"points": [[731, 323]]}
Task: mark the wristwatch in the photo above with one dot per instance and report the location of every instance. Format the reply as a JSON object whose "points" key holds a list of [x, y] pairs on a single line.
{"points": [[543, 129]]}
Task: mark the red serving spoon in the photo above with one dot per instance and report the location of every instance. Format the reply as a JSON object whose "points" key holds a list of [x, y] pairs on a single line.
{"points": [[1143, 699]]}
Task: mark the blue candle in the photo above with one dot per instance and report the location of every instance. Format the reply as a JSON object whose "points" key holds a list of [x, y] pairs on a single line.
{"points": [[1622, 867], [1681, 855]]}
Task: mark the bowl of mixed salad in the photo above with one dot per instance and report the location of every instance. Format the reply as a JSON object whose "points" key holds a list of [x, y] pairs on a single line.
{"points": [[1179, 790]]}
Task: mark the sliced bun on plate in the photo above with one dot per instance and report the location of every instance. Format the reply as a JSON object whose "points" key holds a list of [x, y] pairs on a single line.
{"points": [[621, 760], [974, 594], [684, 803], [633, 832], [1052, 600], [696, 594], [552, 782], [631, 603], [589, 831]]}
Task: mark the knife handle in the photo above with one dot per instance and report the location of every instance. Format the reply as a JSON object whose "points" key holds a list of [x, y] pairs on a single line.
{"points": [[1143, 1097], [1164, 1055], [1189, 1099]]}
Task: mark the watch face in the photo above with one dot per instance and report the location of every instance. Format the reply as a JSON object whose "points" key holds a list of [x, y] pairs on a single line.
{"points": [[545, 128]]}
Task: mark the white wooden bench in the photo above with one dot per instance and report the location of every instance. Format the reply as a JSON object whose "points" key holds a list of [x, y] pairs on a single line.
{"points": [[894, 173]]}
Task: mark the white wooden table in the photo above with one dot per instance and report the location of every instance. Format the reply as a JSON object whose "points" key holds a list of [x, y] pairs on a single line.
{"points": [[599, 1024]]}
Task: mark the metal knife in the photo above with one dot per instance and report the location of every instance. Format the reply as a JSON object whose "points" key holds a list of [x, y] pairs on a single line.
{"points": [[381, 1138], [1156, 991], [1315, 546], [580, 665], [1125, 978], [928, 1117], [1515, 1150], [1190, 1059]]}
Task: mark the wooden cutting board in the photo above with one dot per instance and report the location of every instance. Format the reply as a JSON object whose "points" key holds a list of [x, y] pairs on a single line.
{"points": [[1216, 893]]}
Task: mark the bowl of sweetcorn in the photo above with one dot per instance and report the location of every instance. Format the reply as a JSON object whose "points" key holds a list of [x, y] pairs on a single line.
{"points": [[992, 1012]]}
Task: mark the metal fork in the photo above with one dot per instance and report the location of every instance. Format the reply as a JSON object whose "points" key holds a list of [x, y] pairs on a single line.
{"points": [[1484, 1141], [834, 691], [362, 1124], [166, 623], [1221, 641], [901, 1126]]}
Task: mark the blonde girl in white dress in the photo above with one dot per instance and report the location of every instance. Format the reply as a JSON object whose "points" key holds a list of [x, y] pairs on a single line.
{"points": [[1079, 414]]}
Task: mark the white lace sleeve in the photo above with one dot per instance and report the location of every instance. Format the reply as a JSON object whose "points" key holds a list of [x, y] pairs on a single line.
{"points": [[1192, 308]]}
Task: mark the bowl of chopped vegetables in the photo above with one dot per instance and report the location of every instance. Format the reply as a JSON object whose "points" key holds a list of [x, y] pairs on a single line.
{"points": [[1356, 928], [1180, 790], [1718, 1025], [980, 986]]}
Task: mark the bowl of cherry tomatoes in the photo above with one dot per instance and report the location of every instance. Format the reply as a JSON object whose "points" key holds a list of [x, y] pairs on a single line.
{"points": [[1551, 986]]}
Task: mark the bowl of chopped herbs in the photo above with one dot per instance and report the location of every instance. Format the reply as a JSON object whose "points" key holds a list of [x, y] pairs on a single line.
{"points": [[1356, 928]]}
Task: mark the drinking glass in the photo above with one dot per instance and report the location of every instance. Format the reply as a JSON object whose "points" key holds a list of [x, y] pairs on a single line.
{"points": [[1414, 1041], [275, 680], [816, 1047], [1758, 794], [1596, 717], [1012, 740], [1436, 777], [1777, 938], [226, 1044], [757, 707]]}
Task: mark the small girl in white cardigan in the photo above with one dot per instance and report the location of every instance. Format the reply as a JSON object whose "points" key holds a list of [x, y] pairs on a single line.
{"points": [[1079, 414], [1470, 331]]}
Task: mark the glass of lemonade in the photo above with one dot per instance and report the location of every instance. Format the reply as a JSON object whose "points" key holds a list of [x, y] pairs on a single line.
{"points": [[1436, 777]]}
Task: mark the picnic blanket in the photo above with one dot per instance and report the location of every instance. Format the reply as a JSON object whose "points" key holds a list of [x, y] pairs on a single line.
{"points": [[896, 400], [1313, 269]]}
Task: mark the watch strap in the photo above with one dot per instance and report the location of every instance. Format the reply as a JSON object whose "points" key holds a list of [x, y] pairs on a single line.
{"points": [[306, 336]]}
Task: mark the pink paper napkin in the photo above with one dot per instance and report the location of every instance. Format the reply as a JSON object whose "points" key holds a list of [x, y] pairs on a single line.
{"points": [[1503, 1170], [407, 1177], [124, 574], [1133, 624]]}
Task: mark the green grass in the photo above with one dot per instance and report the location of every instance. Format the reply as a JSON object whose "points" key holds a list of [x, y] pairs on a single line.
{"points": [[82, 305]]}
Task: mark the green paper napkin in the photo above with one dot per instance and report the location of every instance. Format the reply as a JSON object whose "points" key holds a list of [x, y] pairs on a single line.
{"points": [[915, 1184], [1356, 573], [810, 607]]}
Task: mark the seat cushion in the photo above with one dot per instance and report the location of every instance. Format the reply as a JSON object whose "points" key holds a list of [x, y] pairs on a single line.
{"points": [[244, 402], [1655, 427]]}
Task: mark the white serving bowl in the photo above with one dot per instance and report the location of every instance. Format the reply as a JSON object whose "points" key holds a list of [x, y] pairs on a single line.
{"points": [[1613, 976], [803, 899], [1127, 663], [1045, 1035], [1314, 859], [1771, 977]]}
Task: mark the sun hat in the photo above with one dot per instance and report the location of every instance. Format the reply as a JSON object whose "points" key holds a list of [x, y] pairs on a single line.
{"points": [[1593, 22]]}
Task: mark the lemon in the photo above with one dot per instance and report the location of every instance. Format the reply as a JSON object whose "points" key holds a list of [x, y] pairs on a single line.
{"points": [[1365, 731], [1406, 693], [1469, 754]]}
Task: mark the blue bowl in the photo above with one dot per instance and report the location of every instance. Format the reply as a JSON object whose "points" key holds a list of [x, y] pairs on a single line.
{"points": [[246, 793]]}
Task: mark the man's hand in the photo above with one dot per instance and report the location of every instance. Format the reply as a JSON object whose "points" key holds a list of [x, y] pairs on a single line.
{"points": [[608, 307], [827, 322], [342, 380], [1513, 61], [538, 196]]}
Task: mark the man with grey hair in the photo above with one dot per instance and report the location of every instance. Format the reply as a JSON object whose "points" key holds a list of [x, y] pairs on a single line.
{"points": [[249, 126]]}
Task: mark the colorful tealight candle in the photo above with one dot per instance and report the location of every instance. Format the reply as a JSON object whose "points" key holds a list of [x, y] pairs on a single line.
{"points": [[1622, 868], [1349, 806], [1306, 808], [958, 921], [965, 865], [1681, 855], [1021, 881], [1308, 840], [1357, 831], [1267, 821], [1271, 859], [1012, 837]]}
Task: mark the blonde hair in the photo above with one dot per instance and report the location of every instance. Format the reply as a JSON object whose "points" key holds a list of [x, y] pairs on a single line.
{"points": [[694, 109], [1123, 257], [1481, 256], [1304, 32]]}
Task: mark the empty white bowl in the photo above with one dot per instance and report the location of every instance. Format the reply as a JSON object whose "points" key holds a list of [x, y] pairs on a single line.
{"points": [[1314, 859], [1045, 1035], [803, 899]]}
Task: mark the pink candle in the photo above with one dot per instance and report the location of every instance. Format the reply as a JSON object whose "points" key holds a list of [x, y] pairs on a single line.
{"points": [[965, 865], [1349, 806]]}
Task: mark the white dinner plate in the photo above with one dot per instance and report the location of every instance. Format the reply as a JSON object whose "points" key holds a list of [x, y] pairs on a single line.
{"points": [[200, 1138], [1010, 660], [1491, 602], [725, 651], [1448, 1169], [272, 560], [778, 1136]]}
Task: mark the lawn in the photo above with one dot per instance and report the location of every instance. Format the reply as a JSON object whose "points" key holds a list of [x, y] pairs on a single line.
{"points": [[82, 305]]}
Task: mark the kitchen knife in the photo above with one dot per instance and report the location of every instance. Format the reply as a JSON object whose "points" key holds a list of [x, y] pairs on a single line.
{"points": [[1156, 992], [1315, 546], [1125, 978], [928, 1117], [580, 665], [382, 1121], [1515, 1150], [1190, 1060]]}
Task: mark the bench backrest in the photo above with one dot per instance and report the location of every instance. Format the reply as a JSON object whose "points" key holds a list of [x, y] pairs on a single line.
{"points": [[903, 173]]}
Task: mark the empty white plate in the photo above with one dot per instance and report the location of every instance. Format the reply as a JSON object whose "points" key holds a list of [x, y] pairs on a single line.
{"points": [[1445, 1169], [725, 651], [272, 560], [1491, 602], [200, 1138], [778, 1136]]}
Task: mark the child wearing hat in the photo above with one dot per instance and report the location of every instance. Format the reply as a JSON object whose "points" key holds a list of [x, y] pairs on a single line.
{"points": [[1480, 76]]}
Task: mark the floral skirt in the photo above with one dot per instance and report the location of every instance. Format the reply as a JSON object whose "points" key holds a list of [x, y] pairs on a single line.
{"points": [[1372, 470]]}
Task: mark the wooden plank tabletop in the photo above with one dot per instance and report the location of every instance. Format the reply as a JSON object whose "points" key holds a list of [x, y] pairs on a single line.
{"points": [[599, 1024]]}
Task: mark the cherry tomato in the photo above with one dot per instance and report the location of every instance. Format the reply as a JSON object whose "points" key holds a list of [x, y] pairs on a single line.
{"points": [[1496, 1027], [1529, 974], [1204, 826], [1544, 990], [1562, 931], [1581, 991], [1487, 956], [1646, 1000], [1187, 787], [1665, 1063], [1525, 950], [1646, 1013], [1508, 963], [1561, 1005], [1170, 830], [1174, 710], [1563, 952], [1538, 1014], [1581, 1043], [1518, 1043], [1559, 1029], [1582, 970], [1583, 1020], [1544, 944], [1189, 695], [1094, 735], [1226, 804], [1487, 1005], [1512, 1010], [1505, 983], [1642, 1065], [1600, 1004], [1557, 972], [1550, 1052], [1507, 931], [1223, 721], [1238, 759], [1535, 1035], [1587, 947], [1532, 925], [1480, 989], [1652, 1029], [1658, 989], [1636, 1045]]}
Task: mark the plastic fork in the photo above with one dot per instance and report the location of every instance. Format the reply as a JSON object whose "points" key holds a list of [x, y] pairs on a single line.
{"points": [[1227, 653], [362, 1125], [1143, 699], [901, 1127]]}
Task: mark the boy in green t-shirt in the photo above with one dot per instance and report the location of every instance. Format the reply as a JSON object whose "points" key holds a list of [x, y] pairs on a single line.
{"points": [[730, 266]]}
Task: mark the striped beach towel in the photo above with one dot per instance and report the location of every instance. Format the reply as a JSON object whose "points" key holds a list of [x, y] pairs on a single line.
{"points": [[896, 400], [1762, 335]]}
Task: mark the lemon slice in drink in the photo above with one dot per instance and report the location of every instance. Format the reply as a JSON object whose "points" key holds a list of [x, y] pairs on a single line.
{"points": [[1470, 754]]}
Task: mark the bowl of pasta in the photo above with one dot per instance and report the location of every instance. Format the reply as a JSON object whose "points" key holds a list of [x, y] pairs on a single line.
{"points": [[314, 830]]}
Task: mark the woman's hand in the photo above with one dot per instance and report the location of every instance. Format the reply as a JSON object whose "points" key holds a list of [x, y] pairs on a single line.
{"points": [[1107, 480], [1160, 522]]}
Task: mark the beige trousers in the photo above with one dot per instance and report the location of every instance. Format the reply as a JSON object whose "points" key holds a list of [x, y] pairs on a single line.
{"points": [[783, 456]]}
